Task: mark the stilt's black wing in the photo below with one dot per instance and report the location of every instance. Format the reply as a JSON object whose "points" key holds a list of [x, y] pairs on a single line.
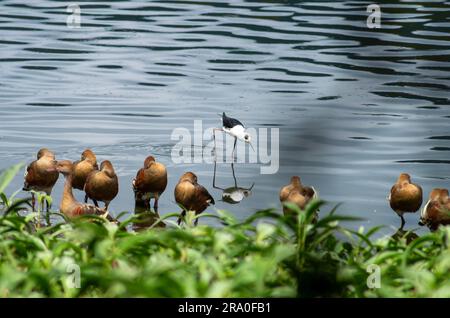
{"points": [[229, 122]]}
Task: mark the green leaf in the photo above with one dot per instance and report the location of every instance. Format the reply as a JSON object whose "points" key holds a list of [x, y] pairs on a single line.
{"points": [[9, 174]]}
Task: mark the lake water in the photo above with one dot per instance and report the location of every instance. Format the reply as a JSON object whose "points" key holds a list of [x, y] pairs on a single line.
{"points": [[354, 106]]}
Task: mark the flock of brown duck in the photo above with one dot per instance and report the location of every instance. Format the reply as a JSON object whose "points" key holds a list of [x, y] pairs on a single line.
{"points": [[405, 197], [102, 185]]}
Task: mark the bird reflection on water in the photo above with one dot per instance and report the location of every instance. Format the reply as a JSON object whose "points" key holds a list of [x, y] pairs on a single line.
{"points": [[145, 218], [235, 194], [409, 235]]}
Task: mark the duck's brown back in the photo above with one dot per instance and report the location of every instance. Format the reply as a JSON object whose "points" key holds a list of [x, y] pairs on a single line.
{"points": [[406, 198], [101, 186], [152, 179], [309, 193], [298, 199], [286, 190], [192, 197], [38, 177], [185, 194], [437, 214], [81, 170], [204, 199]]}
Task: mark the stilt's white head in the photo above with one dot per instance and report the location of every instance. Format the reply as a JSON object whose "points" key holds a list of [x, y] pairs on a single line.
{"points": [[248, 139], [242, 134]]}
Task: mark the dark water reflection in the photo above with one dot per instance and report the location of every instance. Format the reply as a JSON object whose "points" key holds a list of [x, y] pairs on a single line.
{"points": [[355, 106]]}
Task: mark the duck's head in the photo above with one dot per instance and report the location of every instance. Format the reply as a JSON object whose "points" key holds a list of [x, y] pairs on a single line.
{"points": [[106, 165], [44, 152], [89, 155], [296, 180], [189, 176], [439, 194], [149, 161], [64, 167], [404, 178]]}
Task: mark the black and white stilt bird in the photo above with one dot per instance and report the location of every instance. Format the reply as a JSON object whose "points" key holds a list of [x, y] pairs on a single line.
{"points": [[234, 128]]}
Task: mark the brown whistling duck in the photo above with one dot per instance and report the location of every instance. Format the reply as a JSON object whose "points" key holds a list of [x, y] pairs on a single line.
{"points": [[150, 182], [296, 193], [69, 205], [405, 196], [102, 185], [191, 196], [437, 210], [82, 168], [39, 177]]}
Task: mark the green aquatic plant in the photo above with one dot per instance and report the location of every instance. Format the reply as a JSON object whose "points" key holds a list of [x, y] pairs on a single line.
{"points": [[266, 255]]}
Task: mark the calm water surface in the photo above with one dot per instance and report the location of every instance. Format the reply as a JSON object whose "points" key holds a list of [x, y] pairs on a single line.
{"points": [[354, 106]]}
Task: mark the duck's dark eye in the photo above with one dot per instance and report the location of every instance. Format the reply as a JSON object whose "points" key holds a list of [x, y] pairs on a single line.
{"points": [[246, 137]]}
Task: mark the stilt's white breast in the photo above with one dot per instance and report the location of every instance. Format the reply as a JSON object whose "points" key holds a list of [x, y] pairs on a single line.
{"points": [[236, 196], [236, 131]]}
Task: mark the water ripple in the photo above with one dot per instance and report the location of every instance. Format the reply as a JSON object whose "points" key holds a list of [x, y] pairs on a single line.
{"points": [[354, 106]]}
